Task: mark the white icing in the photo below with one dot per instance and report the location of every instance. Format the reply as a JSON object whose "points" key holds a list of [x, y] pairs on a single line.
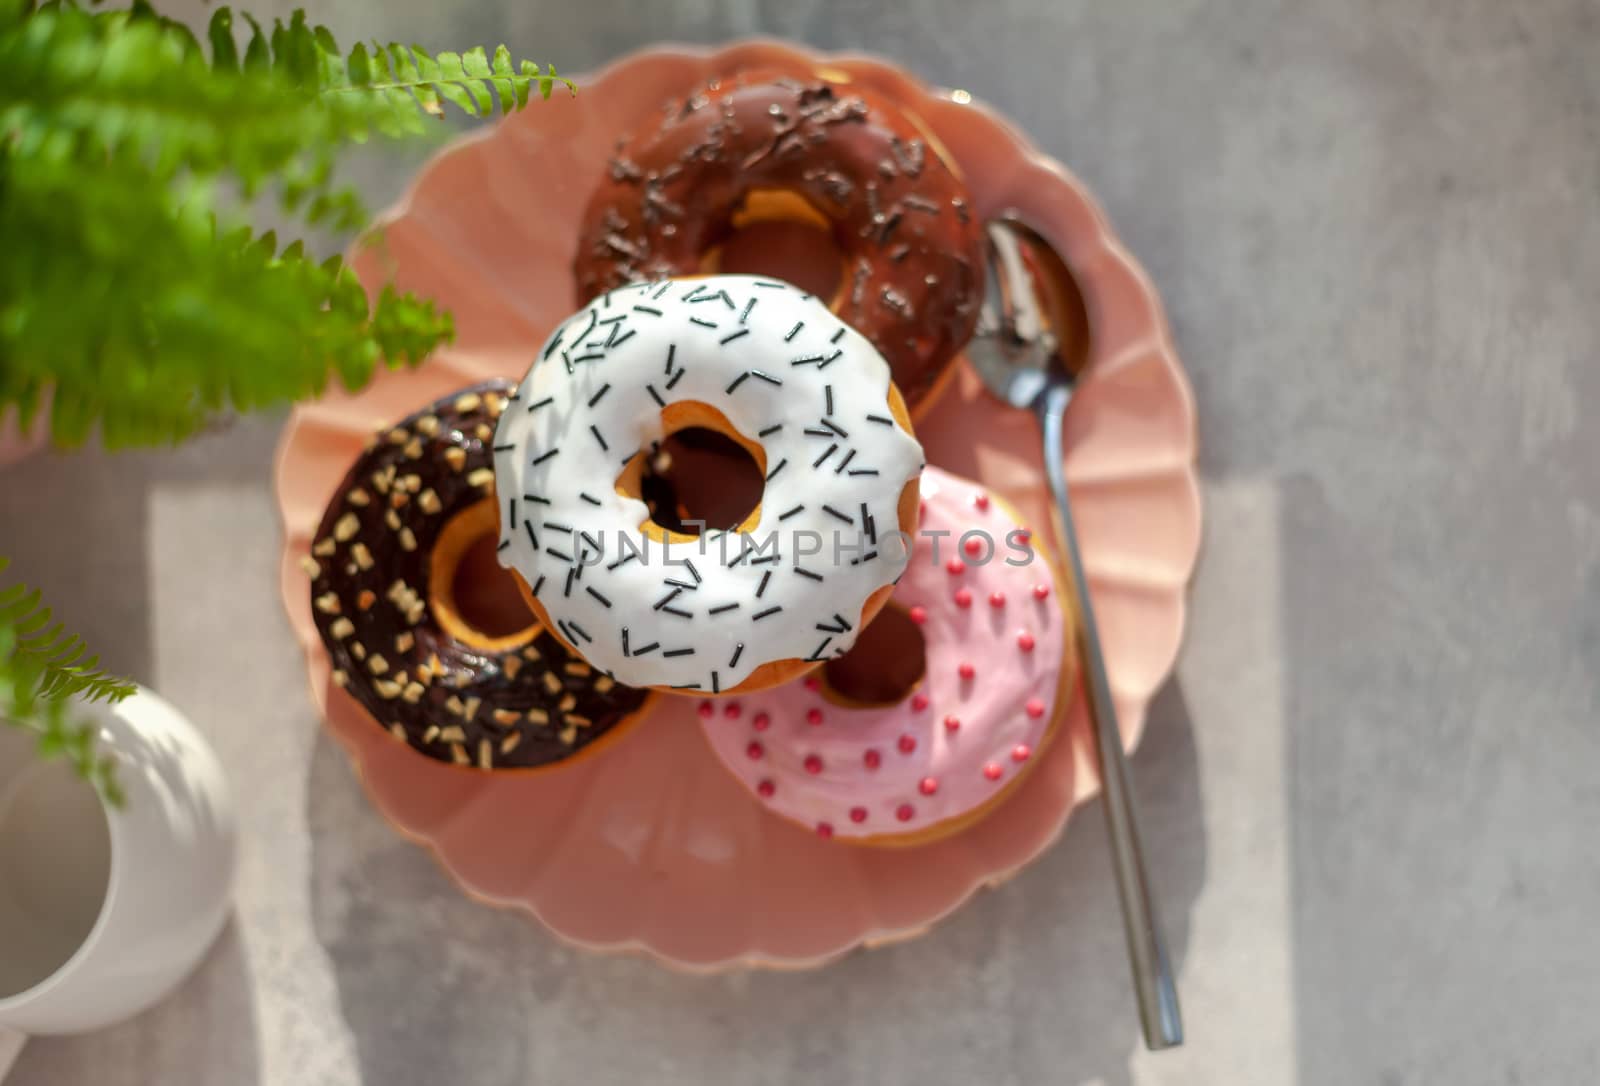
{"points": [[770, 363]]}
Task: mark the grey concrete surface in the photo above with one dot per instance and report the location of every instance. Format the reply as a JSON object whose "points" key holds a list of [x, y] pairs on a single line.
{"points": [[1371, 788]]}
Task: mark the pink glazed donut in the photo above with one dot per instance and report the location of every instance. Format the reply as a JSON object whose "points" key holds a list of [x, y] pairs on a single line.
{"points": [[997, 677]]}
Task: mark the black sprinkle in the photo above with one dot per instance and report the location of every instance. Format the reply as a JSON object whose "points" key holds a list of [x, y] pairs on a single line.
{"points": [[590, 589], [840, 619], [817, 655], [869, 556], [567, 358], [695, 573], [554, 344], [579, 630], [725, 340], [598, 396], [818, 431], [624, 560], [624, 637], [748, 306], [836, 429], [817, 463], [795, 331], [716, 684], [538, 584], [773, 286], [808, 573], [683, 686], [797, 509], [837, 336], [588, 498], [620, 340], [737, 381], [527, 526], [738, 650], [666, 286], [595, 430], [777, 469], [511, 513], [880, 420], [611, 336], [591, 540], [762, 587], [721, 609], [867, 523], [674, 594], [571, 573], [648, 648], [674, 379], [698, 287], [562, 555], [546, 402], [656, 396], [672, 349], [827, 390], [846, 460], [675, 611], [863, 471], [830, 360], [679, 652], [542, 457], [806, 359], [504, 543], [650, 309], [764, 561], [681, 584], [702, 323], [593, 356], [769, 430], [744, 549], [504, 448], [759, 615], [554, 527]]}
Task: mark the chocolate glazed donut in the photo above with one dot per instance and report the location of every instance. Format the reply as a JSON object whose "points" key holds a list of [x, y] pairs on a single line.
{"points": [[383, 574], [913, 251]]}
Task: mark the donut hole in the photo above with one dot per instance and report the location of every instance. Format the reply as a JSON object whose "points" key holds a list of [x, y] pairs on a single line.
{"points": [[883, 667], [472, 597], [702, 476], [779, 233]]}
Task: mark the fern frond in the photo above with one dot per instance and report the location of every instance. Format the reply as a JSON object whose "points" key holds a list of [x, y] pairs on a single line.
{"points": [[42, 670]]}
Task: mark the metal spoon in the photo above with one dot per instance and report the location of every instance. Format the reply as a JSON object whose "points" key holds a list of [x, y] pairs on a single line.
{"points": [[1032, 342]]}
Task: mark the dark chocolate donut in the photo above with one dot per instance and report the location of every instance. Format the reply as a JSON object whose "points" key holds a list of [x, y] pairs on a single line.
{"points": [[382, 570], [913, 251]]}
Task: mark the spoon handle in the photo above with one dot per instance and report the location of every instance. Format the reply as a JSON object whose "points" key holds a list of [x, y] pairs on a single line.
{"points": [[1147, 951]]}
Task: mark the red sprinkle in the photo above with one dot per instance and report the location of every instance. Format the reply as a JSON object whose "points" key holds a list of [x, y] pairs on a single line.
{"points": [[919, 615], [997, 599], [812, 682], [731, 710], [952, 724], [755, 750], [824, 830], [872, 758], [858, 814], [1040, 591], [1022, 535], [919, 702], [966, 670], [973, 546], [813, 716], [993, 771], [765, 789], [707, 710], [904, 812], [928, 786], [955, 566], [1025, 641], [981, 501], [813, 764], [1020, 752], [963, 598], [762, 722], [907, 744], [1035, 708]]}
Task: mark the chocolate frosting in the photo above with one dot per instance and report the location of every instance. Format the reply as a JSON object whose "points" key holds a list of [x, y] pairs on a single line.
{"points": [[900, 216], [531, 704]]}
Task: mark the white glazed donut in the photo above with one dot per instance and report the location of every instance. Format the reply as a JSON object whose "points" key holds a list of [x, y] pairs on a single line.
{"points": [[811, 399]]}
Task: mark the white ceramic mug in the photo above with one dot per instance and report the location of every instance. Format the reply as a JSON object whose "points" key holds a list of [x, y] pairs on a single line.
{"points": [[104, 910]]}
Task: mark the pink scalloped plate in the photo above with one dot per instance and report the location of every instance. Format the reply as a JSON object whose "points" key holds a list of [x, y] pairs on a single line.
{"points": [[651, 845]]}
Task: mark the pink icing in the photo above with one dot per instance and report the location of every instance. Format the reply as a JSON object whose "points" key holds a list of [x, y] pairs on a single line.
{"points": [[971, 724]]}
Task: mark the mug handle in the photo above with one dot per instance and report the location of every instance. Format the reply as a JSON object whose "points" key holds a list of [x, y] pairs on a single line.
{"points": [[11, 1043]]}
